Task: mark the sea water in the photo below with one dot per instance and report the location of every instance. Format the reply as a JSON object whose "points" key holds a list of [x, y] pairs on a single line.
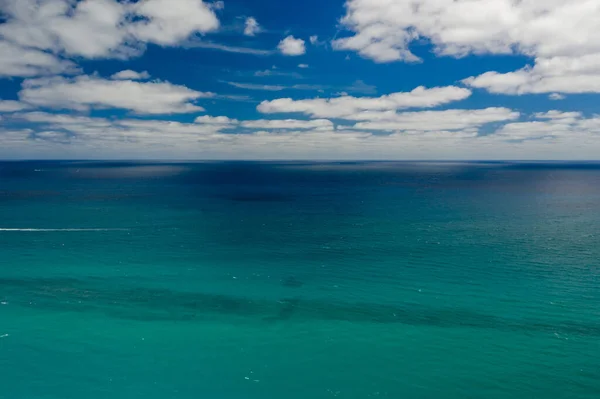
{"points": [[299, 280]]}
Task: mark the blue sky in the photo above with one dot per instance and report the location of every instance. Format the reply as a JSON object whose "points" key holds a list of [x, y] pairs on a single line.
{"points": [[266, 79]]}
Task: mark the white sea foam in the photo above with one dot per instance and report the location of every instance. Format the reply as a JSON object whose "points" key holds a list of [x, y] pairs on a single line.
{"points": [[50, 230], [4, 336]]}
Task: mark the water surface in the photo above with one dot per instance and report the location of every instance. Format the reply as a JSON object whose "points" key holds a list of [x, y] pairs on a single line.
{"points": [[299, 280]]}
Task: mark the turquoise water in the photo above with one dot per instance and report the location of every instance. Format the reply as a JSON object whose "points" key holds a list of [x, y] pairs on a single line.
{"points": [[299, 280]]}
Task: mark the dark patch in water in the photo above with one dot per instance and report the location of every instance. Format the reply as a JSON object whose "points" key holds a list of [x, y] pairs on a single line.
{"points": [[292, 282], [258, 197], [155, 304], [108, 197], [21, 195], [286, 311]]}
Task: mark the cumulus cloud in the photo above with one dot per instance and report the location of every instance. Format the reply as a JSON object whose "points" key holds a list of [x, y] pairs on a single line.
{"points": [[448, 120], [317, 124], [12, 106], [11, 139], [89, 28], [167, 24], [292, 46], [128, 74], [558, 115], [556, 96], [103, 28], [564, 74], [551, 135], [216, 120], [86, 92], [26, 62], [346, 106], [97, 137], [553, 125], [64, 120], [113, 134], [561, 36], [251, 27], [384, 30], [173, 130], [303, 66], [531, 130]]}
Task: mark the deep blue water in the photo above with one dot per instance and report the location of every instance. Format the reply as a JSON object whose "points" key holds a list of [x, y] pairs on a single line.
{"points": [[299, 280]]}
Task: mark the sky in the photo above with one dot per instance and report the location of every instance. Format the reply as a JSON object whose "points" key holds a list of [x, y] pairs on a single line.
{"points": [[272, 79]]}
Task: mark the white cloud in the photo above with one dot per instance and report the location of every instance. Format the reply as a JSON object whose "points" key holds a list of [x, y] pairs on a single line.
{"points": [[251, 27], [114, 133], [345, 107], [252, 86], [314, 40], [128, 74], [385, 29], [553, 135], [103, 28], [102, 137], [304, 66], [89, 28], [12, 106], [229, 49], [556, 96], [317, 124], [14, 139], [106, 138], [85, 92], [561, 36], [64, 120], [558, 115], [172, 130], [559, 127], [292, 46], [216, 120], [168, 23], [275, 72], [452, 119], [531, 130], [18, 61], [233, 97], [217, 5], [360, 87], [266, 72], [570, 75], [309, 87]]}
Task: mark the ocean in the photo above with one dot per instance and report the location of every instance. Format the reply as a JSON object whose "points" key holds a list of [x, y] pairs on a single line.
{"points": [[296, 280]]}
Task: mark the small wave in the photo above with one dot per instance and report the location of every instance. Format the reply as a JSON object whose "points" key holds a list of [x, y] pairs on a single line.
{"points": [[54, 230], [4, 336]]}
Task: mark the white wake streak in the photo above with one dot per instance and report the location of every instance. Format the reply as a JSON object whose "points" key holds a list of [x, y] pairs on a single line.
{"points": [[50, 230]]}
